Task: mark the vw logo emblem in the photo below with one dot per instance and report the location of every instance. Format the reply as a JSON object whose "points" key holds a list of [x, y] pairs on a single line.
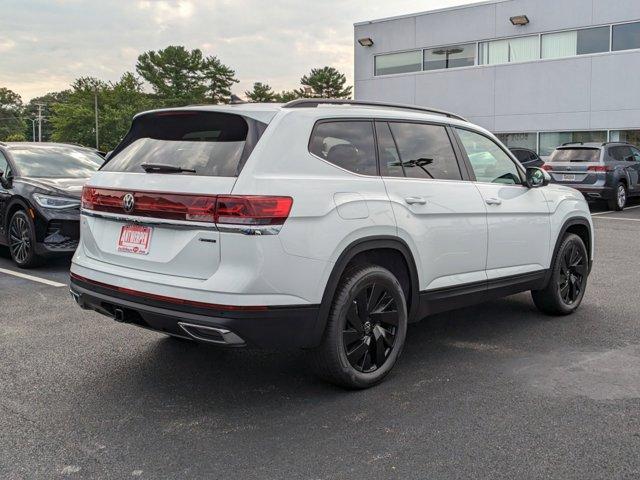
{"points": [[128, 202]]}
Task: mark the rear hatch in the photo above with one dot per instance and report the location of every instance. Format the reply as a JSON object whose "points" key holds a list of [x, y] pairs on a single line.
{"points": [[574, 165], [151, 206]]}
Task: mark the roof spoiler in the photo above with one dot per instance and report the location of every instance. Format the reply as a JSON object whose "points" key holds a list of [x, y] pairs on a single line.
{"points": [[316, 102]]}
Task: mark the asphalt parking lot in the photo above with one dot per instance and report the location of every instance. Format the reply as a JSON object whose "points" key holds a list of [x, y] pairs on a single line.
{"points": [[493, 391]]}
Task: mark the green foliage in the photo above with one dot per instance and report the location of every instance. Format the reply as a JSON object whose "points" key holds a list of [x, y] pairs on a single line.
{"points": [[287, 95], [11, 122], [74, 120], [31, 112], [261, 93], [182, 77], [16, 137], [325, 82]]}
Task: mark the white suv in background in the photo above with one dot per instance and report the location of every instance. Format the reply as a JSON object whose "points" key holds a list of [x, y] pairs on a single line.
{"points": [[323, 225]]}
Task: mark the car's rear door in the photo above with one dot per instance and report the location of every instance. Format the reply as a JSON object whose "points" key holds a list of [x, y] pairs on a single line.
{"points": [[517, 216], [437, 211]]}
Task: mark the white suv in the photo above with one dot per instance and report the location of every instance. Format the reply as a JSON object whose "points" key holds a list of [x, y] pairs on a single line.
{"points": [[323, 225]]}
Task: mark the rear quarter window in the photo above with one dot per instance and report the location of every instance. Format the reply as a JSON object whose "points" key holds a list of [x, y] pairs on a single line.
{"points": [[346, 144], [211, 143]]}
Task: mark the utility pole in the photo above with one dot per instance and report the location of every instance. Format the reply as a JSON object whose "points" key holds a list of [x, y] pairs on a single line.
{"points": [[40, 105], [95, 105], [33, 128]]}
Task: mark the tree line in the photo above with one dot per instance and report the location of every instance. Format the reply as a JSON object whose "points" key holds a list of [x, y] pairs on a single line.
{"points": [[177, 77]]}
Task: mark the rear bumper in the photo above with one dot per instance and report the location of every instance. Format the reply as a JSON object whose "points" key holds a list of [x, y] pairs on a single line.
{"points": [[285, 327]]}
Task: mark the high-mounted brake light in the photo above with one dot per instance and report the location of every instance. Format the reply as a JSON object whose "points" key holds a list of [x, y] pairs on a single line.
{"points": [[250, 210], [598, 168]]}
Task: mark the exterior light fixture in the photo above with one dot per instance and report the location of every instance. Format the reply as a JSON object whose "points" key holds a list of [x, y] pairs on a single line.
{"points": [[519, 20], [365, 42]]}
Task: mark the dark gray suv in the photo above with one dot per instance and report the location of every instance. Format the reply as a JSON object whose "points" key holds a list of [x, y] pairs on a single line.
{"points": [[601, 171]]}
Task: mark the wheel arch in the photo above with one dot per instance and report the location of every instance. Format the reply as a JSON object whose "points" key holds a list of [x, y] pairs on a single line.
{"points": [[370, 248], [579, 226], [15, 204]]}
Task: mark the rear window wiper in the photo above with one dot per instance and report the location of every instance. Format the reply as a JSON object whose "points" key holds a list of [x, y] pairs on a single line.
{"points": [[164, 168]]}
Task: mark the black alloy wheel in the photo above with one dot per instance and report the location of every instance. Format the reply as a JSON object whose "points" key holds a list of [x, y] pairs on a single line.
{"points": [[21, 240], [573, 271], [565, 289], [365, 330], [370, 331]]}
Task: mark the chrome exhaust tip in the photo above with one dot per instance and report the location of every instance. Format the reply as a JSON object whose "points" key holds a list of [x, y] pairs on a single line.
{"points": [[218, 336]]}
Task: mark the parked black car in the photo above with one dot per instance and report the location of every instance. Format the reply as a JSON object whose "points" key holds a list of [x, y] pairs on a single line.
{"points": [[40, 190], [607, 171], [528, 158]]}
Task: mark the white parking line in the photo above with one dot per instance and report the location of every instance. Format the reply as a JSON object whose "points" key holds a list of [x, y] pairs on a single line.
{"points": [[619, 218], [605, 213], [32, 278]]}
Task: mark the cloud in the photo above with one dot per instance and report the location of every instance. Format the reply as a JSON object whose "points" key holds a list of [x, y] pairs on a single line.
{"points": [[274, 42]]}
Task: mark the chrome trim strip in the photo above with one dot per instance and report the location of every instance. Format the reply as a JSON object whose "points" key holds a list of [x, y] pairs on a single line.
{"points": [[228, 337], [158, 222], [184, 224]]}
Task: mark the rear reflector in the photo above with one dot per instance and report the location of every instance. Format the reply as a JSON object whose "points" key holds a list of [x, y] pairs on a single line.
{"points": [[598, 168], [173, 300], [226, 209]]}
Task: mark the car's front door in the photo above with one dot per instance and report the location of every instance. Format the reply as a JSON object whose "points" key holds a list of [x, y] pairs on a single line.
{"points": [[634, 168], [517, 216], [438, 213]]}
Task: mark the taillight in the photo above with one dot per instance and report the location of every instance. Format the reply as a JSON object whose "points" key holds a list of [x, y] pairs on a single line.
{"points": [[547, 167], [252, 209], [226, 209], [598, 168]]}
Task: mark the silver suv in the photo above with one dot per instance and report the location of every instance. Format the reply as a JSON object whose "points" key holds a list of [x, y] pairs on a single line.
{"points": [[601, 171]]}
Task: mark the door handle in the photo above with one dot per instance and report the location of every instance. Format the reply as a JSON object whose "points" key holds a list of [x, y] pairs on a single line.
{"points": [[493, 201], [415, 200]]}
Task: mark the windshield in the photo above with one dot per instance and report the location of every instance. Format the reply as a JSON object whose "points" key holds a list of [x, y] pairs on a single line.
{"points": [[575, 155], [55, 162], [184, 142]]}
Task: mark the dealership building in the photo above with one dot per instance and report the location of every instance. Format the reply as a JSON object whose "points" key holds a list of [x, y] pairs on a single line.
{"points": [[538, 73]]}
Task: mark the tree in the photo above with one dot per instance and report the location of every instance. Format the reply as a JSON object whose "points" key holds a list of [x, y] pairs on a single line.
{"points": [[179, 76], [31, 112], [287, 95], [325, 82], [261, 93], [11, 121], [74, 120]]}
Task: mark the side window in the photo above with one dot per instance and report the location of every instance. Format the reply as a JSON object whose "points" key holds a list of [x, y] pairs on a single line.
{"points": [[489, 162], [425, 151], [616, 153], [636, 154], [390, 165], [347, 144]]}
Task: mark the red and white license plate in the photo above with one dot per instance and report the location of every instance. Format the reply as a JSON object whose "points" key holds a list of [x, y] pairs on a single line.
{"points": [[135, 239]]}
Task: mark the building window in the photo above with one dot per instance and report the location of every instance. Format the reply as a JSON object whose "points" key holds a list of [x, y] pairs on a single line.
{"points": [[629, 136], [576, 42], [523, 140], [450, 57], [404, 62], [626, 36], [519, 49], [550, 140]]}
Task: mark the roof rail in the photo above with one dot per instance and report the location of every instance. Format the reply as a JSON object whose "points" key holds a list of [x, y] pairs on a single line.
{"points": [[315, 102], [607, 143]]}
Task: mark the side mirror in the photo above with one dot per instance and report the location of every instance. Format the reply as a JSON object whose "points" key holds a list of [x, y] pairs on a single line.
{"points": [[537, 177]]}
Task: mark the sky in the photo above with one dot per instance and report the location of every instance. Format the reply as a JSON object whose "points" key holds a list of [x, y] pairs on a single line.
{"points": [[46, 44]]}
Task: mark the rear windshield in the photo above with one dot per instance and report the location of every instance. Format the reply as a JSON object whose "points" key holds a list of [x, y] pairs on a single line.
{"points": [[210, 143], [576, 155]]}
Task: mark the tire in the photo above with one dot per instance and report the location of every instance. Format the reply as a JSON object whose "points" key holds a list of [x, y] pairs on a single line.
{"points": [[565, 290], [620, 196], [22, 240], [365, 331]]}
